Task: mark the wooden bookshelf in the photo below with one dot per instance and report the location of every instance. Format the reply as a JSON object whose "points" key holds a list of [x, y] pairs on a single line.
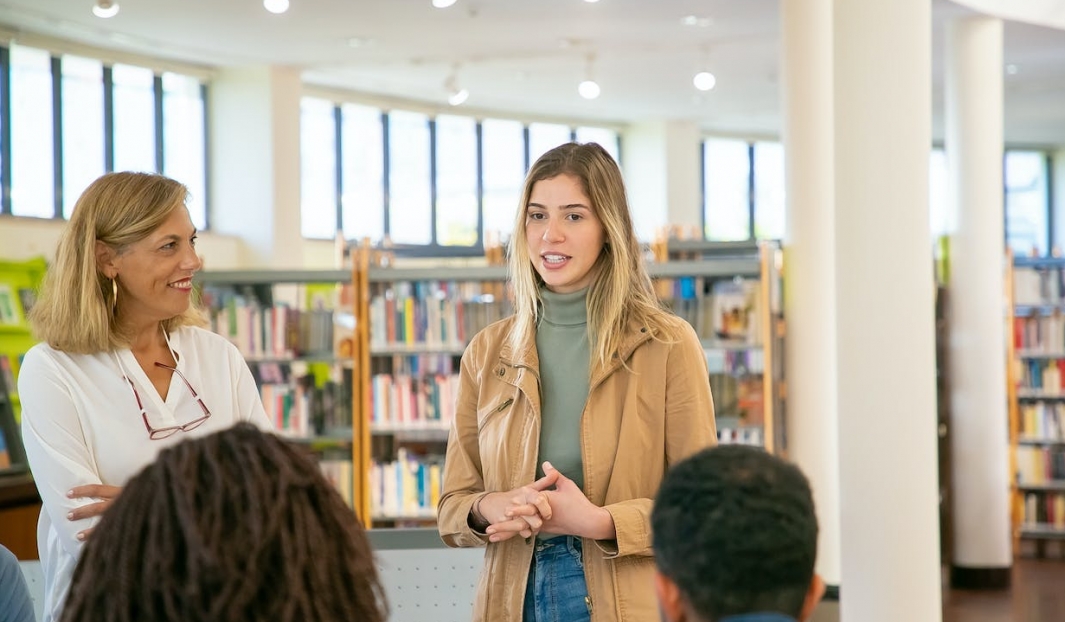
{"points": [[1035, 350], [373, 275]]}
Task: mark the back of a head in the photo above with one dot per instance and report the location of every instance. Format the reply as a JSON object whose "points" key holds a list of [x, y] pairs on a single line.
{"points": [[234, 526], [734, 528]]}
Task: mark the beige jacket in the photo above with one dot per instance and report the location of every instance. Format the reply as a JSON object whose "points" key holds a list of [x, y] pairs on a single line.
{"points": [[635, 424]]}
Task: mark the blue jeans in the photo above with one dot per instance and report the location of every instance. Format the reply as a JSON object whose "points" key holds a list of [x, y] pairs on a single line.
{"points": [[556, 591]]}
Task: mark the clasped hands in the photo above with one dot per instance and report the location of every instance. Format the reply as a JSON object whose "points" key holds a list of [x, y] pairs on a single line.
{"points": [[552, 504]]}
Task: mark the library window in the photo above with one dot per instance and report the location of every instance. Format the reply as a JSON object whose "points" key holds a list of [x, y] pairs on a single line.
{"points": [[503, 148], [769, 190], [607, 139], [32, 140], [134, 118], [362, 173], [318, 163], [184, 141], [939, 210], [440, 185], [83, 130], [1026, 183], [726, 189], [546, 136], [64, 135], [456, 181], [409, 178]]}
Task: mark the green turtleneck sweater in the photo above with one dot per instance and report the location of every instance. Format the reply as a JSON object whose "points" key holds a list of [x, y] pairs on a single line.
{"points": [[562, 345]]}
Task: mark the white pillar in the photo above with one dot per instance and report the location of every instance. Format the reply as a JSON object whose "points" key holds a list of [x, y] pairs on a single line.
{"points": [[254, 150], [885, 332], [978, 432], [809, 263], [661, 167]]}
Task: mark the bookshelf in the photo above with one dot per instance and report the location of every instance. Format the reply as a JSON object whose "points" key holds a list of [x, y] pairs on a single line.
{"points": [[294, 328], [408, 327], [1036, 393], [19, 283], [702, 281]]}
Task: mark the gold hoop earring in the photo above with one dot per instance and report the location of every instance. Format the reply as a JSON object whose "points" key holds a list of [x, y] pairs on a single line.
{"points": [[114, 296]]}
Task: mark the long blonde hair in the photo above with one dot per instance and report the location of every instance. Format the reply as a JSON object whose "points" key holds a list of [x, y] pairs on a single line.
{"points": [[74, 310], [621, 292]]}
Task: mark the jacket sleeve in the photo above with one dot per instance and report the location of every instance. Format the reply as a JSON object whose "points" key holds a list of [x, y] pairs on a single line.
{"points": [[689, 427], [463, 483]]}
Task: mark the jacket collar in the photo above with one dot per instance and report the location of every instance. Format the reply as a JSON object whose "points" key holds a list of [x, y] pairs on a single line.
{"points": [[526, 355]]}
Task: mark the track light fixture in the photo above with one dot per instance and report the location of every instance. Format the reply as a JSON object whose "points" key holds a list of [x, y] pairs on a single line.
{"points": [[456, 95], [589, 88], [105, 8]]}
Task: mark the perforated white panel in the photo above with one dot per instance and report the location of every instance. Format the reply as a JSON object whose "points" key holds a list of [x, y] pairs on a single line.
{"points": [[430, 585]]}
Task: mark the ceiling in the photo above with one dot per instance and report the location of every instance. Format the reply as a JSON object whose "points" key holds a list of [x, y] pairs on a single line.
{"points": [[526, 58]]}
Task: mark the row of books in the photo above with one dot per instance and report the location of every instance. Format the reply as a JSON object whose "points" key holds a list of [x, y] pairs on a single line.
{"points": [[341, 474], [297, 403], [1038, 286], [735, 362], [425, 313], [408, 486], [1039, 333], [726, 310], [1043, 420], [740, 436], [1045, 509], [277, 331], [1046, 376], [415, 401], [1040, 465]]}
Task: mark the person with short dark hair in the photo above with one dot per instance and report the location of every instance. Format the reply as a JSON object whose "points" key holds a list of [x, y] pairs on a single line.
{"points": [[735, 539], [239, 525]]}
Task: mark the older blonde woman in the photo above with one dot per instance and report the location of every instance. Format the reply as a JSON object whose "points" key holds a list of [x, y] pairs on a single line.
{"points": [[124, 369]]}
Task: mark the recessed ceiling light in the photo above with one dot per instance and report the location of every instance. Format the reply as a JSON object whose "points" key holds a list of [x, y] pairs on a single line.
{"points": [[361, 42], [704, 80], [695, 20], [589, 89], [105, 9], [443, 4], [591, 1], [276, 6], [1012, 69]]}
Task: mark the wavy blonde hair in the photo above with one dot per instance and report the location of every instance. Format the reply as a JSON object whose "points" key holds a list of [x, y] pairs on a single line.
{"points": [[73, 313], [621, 292]]}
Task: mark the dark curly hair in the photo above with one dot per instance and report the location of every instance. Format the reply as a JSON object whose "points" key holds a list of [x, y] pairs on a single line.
{"points": [[734, 527], [239, 525]]}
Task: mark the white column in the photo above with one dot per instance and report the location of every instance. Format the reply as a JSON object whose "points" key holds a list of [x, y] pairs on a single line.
{"points": [[885, 332], [809, 263], [979, 439], [254, 150]]}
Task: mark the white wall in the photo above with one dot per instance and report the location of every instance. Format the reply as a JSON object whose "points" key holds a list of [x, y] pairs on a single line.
{"points": [[26, 238]]}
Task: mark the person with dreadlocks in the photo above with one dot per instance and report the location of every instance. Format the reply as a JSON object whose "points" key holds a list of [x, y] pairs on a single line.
{"points": [[124, 368], [239, 525], [735, 539], [569, 412]]}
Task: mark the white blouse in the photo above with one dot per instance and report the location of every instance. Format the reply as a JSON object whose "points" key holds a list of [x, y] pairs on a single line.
{"points": [[81, 425]]}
